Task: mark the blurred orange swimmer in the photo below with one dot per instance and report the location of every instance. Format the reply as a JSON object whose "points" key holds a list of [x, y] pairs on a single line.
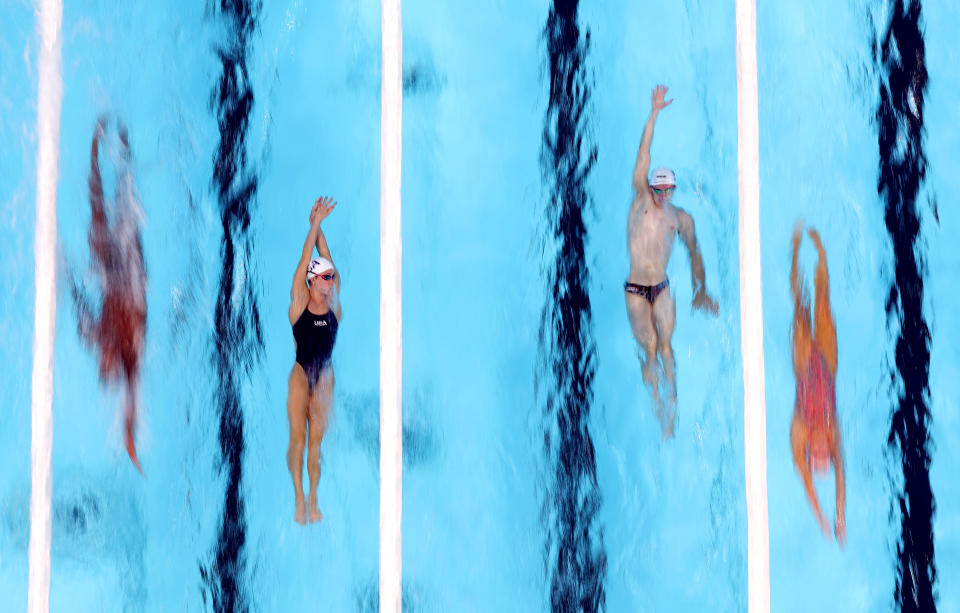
{"points": [[117, 256], [814, 432]]}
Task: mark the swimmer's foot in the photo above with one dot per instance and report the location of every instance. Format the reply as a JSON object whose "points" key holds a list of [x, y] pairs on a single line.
{"points": [[667, 427], [300, 515], [667, 414], [315, 514]]}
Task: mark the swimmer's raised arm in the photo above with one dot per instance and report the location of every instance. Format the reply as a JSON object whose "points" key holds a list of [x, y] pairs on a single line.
{"points": [[99, 234], [701, 299], [322, 209], [299, 294], [643, 155]]}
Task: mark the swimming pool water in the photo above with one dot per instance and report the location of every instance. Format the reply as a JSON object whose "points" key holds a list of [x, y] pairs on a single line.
{"points": [[484, 522]]}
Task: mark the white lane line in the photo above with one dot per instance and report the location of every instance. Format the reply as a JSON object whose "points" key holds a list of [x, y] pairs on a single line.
{"points": [[751, 312], [49, 95], [391, 444]]}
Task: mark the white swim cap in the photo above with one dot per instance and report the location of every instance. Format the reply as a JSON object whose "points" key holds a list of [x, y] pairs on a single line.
{"points": [[662, 176], [318, 266]]}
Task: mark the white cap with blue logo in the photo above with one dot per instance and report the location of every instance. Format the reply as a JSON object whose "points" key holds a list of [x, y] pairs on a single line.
{"points": [[662, 176], [317, 266]]}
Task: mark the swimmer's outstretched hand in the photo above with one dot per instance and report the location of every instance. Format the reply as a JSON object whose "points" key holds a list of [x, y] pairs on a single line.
{"points": [[815, 237], [321, 209], [824, 524], [657, 100], [704, 302], [840, 528], [797, 234]]}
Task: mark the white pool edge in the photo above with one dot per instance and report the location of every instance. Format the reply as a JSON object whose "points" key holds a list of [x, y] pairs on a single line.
{"points": [[751, 312], [49, 95], [391, 446]]}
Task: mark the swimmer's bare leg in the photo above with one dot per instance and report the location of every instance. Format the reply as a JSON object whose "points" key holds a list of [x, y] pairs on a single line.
{"points": [[319, 412], [640, 314], [297, 400], [664, 316]]}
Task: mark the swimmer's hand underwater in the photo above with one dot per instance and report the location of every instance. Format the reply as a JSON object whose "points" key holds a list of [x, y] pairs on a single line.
{"points": [[703, 302]]}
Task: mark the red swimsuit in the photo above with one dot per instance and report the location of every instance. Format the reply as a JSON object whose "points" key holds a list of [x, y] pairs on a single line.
{"points": [[816, 398]]}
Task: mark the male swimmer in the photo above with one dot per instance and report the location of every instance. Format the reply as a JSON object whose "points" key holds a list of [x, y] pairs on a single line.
{"points": [[652, 225], [814, 432], [118, 333], [315, 315]]}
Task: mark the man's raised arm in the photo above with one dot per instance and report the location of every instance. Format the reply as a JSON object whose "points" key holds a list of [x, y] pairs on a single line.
{"points": [[643, 155]]}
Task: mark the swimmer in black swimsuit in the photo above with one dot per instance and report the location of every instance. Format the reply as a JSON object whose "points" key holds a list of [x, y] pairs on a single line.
{"points": [[653, 224], [315, 316], [314, 335]]}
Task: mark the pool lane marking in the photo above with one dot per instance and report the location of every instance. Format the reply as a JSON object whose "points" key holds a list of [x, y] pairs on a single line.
{"points": [[751, 312], [391, 446], [49, 95], [899, 58]]}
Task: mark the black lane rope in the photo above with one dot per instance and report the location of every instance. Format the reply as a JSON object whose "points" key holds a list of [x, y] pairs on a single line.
{"points": [[899, 55], [575, 558], [238, 338]]}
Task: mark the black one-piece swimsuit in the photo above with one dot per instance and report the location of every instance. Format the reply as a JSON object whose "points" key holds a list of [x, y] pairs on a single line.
{"points": [[314, 336]]}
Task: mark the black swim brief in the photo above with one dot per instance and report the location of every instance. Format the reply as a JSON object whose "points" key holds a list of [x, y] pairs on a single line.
{"points": [[650, 292]]}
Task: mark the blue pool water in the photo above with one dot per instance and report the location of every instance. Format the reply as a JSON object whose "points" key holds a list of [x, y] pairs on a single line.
{"points": [[491, 457], [126, 542], [819, 160], [672, 516]]}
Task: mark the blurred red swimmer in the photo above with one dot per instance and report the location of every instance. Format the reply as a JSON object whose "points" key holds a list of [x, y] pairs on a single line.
{"points": [[117, 334], [814, 431]]}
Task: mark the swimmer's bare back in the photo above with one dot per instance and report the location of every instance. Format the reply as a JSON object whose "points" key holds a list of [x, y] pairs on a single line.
{"points": [[118, 333]]}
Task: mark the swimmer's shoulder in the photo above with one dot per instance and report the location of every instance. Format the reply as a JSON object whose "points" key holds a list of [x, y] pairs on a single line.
{"points": [[681, 218]]}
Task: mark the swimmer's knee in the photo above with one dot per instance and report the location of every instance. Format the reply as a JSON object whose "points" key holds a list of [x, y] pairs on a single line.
{"points": [[295, 454], [298, 438], [316, 438]]}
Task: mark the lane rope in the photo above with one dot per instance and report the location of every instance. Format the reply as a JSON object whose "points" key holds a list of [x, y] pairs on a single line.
{"points": [[751, 311], [391, 443], [49, 95]]}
